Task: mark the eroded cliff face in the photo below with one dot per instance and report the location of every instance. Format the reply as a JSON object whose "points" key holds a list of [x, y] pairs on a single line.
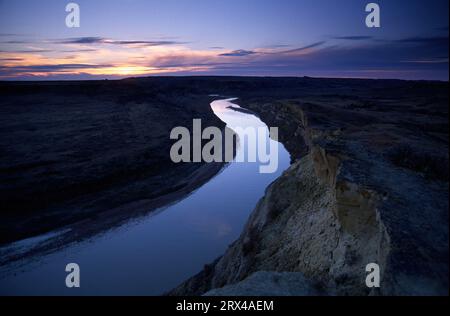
{"points": [[364, 187], [307, 222]]}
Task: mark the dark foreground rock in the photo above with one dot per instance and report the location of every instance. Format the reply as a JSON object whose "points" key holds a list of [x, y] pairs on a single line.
{"points": [[265, 283]]}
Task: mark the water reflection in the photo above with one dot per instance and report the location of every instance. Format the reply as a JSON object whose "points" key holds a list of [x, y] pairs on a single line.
{"points": [[154, 254]]}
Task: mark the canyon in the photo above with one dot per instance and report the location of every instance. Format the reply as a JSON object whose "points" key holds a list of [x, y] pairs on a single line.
{"points": [[367, 181]]}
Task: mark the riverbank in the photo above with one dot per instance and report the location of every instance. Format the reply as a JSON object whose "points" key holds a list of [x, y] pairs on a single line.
{"points": [[92, 154], [199, 227], [369, 184]]}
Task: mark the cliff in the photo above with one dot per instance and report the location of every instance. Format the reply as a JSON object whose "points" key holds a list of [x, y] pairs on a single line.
{"points": [[368, 184]]}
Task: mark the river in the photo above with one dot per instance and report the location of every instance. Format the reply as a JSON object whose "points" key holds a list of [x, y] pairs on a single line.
{"points": [[154, 254]]}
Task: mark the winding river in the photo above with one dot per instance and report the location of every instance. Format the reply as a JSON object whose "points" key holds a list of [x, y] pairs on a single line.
{"points": [[154, 254]]}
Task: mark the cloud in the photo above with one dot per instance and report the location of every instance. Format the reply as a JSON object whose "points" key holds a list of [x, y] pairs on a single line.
{"points": [[146, 43], [16, 42], [102, 40], [58, 76], [9, 34], [353, 38], [26, 51], [194, 65], [242, 52], [424, 40], [387, 59], [424, 47], [11, 59], [79, 50], [48, 68], [274, 46], [367, 59], [238, 53], [437, 60], [83, 40], [301, 49]]}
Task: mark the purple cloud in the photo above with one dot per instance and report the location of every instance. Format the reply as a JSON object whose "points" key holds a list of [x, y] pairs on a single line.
{"points": [[238, 53]]}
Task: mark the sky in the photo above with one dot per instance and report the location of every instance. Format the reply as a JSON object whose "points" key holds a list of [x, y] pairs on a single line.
{"points": [[318, 38]]}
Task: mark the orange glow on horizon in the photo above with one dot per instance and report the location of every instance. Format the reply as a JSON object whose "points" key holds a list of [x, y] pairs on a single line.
{"points": [[107, 60]]}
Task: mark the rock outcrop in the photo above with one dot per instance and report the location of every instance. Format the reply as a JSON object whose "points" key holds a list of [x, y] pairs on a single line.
{"points": [[348, 200]]}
